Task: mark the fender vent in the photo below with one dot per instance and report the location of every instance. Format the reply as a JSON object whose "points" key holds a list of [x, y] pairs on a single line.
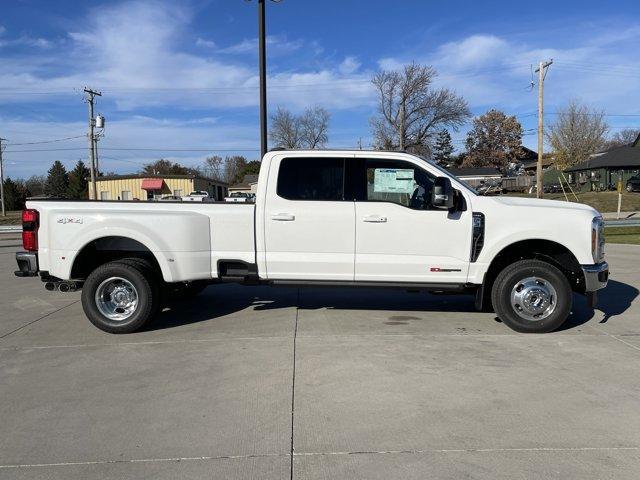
{"points": [[477, 237]]}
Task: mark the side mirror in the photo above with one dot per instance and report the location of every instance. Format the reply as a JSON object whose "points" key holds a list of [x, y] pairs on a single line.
{"points": [[442, 194]]}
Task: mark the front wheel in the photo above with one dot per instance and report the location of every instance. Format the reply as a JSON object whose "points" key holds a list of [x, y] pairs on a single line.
{"points": [[629, 187], [119, 297], [532, 296]]}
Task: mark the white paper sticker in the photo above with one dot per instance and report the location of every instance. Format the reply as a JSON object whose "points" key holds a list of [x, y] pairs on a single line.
{"points": [[393, 180]]}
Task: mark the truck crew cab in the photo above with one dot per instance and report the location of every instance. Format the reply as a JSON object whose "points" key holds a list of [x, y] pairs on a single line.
{"points": [[344, 218]]}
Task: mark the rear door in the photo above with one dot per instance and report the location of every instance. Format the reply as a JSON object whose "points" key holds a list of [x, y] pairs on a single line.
{"points": [[309, 227], [399, 236]]}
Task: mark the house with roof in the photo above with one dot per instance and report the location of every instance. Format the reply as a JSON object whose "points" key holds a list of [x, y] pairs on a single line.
{"points": [[249, 184], [604, 168]]}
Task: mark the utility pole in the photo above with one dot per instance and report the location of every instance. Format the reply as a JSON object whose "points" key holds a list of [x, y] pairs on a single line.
{"points": [[91, 94], [542, 73], [263, 78], [262, 54], [4, 213]]}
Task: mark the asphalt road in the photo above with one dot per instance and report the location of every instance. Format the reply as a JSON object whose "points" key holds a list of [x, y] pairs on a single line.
{"points": [[358, 384]]}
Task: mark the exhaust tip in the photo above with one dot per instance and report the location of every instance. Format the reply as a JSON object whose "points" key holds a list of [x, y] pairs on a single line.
{"points": [[50, 286], [64, 287]]}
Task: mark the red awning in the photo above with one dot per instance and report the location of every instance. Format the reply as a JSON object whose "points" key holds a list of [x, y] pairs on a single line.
{"points": [[152, 184]]}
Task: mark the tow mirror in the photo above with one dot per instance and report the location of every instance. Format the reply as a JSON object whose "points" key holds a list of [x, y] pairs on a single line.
{"points": [[442, 193]]}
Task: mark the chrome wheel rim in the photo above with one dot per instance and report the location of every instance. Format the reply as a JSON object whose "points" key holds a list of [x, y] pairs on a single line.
{"points": [[533, 298], [116, 298]]}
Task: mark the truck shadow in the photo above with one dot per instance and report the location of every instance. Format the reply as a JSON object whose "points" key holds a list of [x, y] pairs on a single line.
{"points": [[221, 300], [612, 301]]}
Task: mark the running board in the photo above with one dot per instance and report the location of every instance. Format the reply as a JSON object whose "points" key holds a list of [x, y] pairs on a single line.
{"points": [[431, 287]]}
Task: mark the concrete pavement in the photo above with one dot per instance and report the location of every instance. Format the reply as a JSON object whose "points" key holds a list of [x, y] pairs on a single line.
{"points": [[356, 383]]}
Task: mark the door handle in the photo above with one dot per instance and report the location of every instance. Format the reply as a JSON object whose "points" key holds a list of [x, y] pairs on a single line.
{"points": [[283, 217], [375, 219]]}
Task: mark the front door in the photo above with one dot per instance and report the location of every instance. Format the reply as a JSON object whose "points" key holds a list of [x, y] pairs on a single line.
{"points": [[400, 237], [309, 228]]}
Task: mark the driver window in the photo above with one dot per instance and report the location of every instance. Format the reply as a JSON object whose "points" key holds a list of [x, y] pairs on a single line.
{"points": [[398, 182]]}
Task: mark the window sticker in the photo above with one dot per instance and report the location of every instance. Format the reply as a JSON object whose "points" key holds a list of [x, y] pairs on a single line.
{"points": [[393, 180]]}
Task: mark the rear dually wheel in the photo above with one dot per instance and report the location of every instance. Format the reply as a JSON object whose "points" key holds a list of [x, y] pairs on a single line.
{"points": [[120, 297]]}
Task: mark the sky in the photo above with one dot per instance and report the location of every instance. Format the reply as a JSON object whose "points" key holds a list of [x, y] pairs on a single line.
{"points": [[179, 79]]}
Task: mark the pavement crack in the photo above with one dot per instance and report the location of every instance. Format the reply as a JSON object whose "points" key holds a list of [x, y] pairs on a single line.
{"points": [[616, 337], [37, 320], [467, 450], [293, 383], [142, 460]]}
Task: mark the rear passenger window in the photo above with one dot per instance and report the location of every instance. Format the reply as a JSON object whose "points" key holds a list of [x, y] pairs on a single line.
{"points": [[311, 179]]}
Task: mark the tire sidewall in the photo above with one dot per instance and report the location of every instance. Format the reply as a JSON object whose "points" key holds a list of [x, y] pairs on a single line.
{"points": [[507, 279], [146, 297]]}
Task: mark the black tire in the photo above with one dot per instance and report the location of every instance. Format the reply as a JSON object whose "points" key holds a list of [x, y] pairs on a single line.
{"points": [[509, 280], [629, 187], [144, 284]]}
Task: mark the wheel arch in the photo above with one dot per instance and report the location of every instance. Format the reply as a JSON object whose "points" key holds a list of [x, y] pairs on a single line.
{"points": [[108, 248], [548, 251]]}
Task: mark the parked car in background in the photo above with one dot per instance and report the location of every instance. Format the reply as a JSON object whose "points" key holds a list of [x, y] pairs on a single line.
{"points": [[170, 198], [197, 196], [241, 197], [633, 184]]}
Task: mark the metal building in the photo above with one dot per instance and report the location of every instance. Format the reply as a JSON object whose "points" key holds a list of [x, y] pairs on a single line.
{"points": [[153, 187]]}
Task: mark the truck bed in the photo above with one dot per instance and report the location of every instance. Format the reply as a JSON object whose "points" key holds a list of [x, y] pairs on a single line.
{"points": [[188, 239]]}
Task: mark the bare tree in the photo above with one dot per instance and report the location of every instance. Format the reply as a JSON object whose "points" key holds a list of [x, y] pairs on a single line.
{"points": [[494, 141], [285, 129], [313, 126], [623, 138], [578, 132], [308, 130], [233, 166], [213, 167], [411, 111]]}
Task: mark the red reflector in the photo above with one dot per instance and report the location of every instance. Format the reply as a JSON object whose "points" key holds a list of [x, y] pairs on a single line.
{"points": [[30, 241], [30, 226]]}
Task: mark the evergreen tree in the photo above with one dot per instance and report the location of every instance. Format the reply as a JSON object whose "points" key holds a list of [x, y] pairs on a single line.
{"points": [[443, 148], [57, 181], [78, 183], [15, 194]]}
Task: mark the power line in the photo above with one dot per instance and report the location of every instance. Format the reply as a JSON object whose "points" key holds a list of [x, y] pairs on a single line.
{"points": [[47, 141], [143, 149]]}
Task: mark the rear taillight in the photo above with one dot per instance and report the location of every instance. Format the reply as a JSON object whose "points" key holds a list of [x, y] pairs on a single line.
{"points": [[30, 224]]}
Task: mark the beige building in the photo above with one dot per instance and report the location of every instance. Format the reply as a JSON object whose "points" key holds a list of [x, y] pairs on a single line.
{"points": [[249, 184], [146, 187]]}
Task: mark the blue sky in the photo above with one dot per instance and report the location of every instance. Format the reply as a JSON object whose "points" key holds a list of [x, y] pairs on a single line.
{"points": [[182, 76]]}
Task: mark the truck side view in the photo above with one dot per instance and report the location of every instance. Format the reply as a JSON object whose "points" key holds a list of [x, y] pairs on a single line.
{"points": [[342, 218]]}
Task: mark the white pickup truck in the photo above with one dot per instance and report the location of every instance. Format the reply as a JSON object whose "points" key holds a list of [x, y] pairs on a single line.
{"points": [[342, 218]]}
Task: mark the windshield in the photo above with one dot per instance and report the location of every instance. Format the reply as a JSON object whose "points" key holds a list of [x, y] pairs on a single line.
{"points": [[447, 173]]}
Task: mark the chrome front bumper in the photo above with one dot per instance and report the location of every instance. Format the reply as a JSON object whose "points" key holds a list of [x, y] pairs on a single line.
{"points": [[595, 276]]}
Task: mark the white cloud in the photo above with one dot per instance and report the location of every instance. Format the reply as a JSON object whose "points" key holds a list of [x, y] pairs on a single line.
{"points": [[349, 65], [201, 42], [134, 52], [491, 71], [25, 41], [277, 44]]}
